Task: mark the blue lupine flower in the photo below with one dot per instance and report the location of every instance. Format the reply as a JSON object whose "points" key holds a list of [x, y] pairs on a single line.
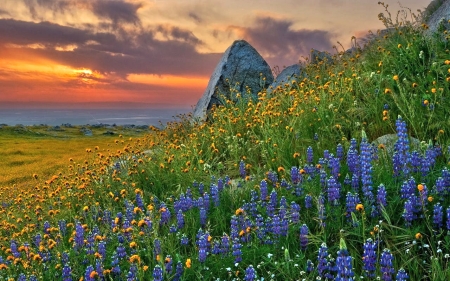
{"points": [[237, 253], [369, 258], [295, 175], [272, 176], [90, 244], [178, 271], [242, 171], [234, 231], [408, 212], [438, 216], [273, 199], [250, 273], [308, 201], [87, 273], [353, 158], [263, 190], [366, 171], [214, 190], [402, 275], [14, 249], [351, 200], [165, 214], [120, 250], [344, 266], [22, 277], [79, 236], [66, 273], [184, 241], [340, 152], [156, 247], [132, 273], [448, 218], [309, 266], [180, 219], [335, 166], [203, 217], [157, 273], [334, 191], [323, 178], [224, 245], [309, 155], [201, 189], [387, 268], [295, 212], [99, 269], [304, 231], [322, 263], [441, 189], [202, 248], [139, 201], [62, 227], [168, 264], [401, 156]]}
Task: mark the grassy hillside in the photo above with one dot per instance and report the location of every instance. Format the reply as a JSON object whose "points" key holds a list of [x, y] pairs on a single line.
{"points": [[285, 187]]}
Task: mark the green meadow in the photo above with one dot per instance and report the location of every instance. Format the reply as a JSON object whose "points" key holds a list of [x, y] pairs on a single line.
{"points": [[285, 186]]}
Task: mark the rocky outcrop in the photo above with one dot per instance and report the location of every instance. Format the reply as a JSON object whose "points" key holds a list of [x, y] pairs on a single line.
{"points": [[318, 56], [240, 69], [387, 142], [438, 17], [287, 76]]}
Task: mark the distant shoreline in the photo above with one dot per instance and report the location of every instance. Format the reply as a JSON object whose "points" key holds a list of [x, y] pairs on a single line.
{"points": [[89, 117]]}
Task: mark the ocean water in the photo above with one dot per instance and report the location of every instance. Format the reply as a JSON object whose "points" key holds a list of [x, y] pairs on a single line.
{"points": [[54, 117]]}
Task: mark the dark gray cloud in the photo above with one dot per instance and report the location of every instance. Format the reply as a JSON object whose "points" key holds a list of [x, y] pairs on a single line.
{"points": [[280, 45], [195, 17], [117, 11], [121, 52]]}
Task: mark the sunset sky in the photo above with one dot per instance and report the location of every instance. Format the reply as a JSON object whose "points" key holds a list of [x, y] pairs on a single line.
{"points": [[160, 53]]}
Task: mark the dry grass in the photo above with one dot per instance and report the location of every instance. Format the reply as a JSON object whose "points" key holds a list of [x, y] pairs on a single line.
{"points": [[29, 151]]}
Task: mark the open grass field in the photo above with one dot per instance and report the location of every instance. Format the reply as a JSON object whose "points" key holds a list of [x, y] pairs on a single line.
{"points": [[37, 152]]}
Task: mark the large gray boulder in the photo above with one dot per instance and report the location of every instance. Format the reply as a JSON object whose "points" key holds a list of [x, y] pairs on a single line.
{"points": [[287, 76], [440, 16], [240, 67]]}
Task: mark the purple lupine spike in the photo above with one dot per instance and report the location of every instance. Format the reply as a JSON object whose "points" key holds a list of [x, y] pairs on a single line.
{"points": [[168, 262], [366, 171], [237, 253], [322, 263], [87, 273], [157, 273], [156, 247], [242, 171], [355, 183], [139, 201], [180, 219], [381, 198], [401, 156], [304, 232], [263, 190], [416, 161], [274, 198], [370, 258], [323, 178], [214, 190], [201, 189], [335, 166], [441, 190], [224, 244], [344, 266], [295, 175], [203, 217], [353, 158], [202, 248], [309, 266], [448, 218], [408, 212], [333, 191], [178, 271], [295, 212], [387, 268], [234, 229], [22, 277], [438, 216], [79, 236], [351, 201], [402, 275], [66, 273], [250, 273], [308, 201], [340, 152], [309, 155]]}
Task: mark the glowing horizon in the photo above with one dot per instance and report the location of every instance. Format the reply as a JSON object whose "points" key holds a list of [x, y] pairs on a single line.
{"points": [[156, 52]]}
